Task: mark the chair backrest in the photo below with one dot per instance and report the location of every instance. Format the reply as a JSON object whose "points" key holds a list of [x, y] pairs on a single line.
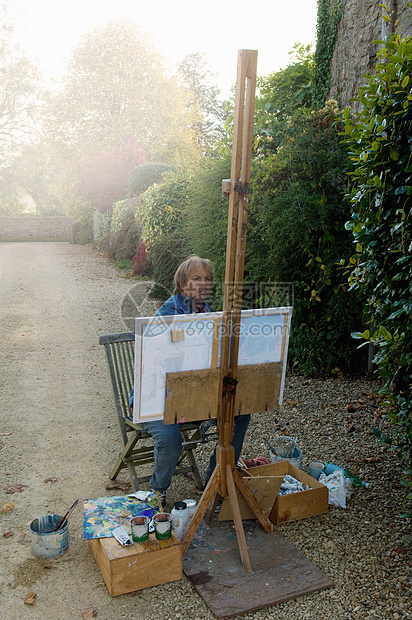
{"points": [[120, 357]]}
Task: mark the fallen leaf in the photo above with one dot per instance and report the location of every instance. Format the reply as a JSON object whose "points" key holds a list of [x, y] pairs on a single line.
{"points": [[23, 539], [30, 598], [89, 614], [7, 507], [401, 550], [350, 408], [48, 566], [16, 488], [7, 534], [118, 484], [50, 480]]}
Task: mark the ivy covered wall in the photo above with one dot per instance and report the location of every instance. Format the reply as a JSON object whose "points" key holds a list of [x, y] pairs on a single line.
{"points": [[355, 54]]}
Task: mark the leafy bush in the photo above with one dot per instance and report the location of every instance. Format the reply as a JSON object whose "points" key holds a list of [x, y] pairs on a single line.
{"points": [[119, 214], [126, 240], [145, 175], [206, 213], [160, 213], [139, 260], [381, 146], [280, 94], [119, 232], [297, 234], [164, 258]]}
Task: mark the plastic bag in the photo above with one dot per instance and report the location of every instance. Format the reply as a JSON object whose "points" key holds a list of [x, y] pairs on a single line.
{"points": [[340, 488]]}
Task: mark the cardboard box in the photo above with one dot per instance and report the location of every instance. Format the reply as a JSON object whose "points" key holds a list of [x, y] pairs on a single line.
{"points": [[295, 506], [137, 566]]}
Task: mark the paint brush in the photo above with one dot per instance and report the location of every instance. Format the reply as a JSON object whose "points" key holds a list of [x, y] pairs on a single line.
{"points": [[66, 516], [159, 501]]}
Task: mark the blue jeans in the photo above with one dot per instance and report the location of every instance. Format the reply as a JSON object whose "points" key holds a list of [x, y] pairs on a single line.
{"points": [[168, 448]]}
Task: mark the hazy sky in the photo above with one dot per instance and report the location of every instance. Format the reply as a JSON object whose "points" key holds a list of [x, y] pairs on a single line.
{"points": [[50, 29]]}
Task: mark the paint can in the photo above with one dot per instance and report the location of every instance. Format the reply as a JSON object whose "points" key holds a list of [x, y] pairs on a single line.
{"points": [[163, 525], [140, 529], [44, 542]]}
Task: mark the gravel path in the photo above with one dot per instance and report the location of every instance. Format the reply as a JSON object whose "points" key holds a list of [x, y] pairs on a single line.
{"points": [[58, 439]]}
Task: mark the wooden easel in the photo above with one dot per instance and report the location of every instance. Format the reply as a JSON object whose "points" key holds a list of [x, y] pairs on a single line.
{"points": [[226, 477]]}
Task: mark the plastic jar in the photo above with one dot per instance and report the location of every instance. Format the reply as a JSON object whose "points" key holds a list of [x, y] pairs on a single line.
{"points": [[180, 519], [192, 505]]}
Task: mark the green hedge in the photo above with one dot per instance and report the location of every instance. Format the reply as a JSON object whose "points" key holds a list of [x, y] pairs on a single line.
{"points": [[381, 269]]}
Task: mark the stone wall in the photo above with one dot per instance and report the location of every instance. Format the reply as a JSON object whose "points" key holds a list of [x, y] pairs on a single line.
{"points": [[53, 228], [355, 53]]}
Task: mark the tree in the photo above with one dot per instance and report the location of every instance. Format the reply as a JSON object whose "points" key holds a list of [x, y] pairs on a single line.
{"points": [[104, 178], [20, 85], [116, 89], [280, 94], [203, 100]]}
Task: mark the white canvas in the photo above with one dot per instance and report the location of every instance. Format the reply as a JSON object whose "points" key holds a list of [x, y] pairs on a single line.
{"points": [[264, 337]]}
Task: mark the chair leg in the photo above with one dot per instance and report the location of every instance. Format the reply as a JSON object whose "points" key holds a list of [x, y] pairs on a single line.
{"points": [[188, 452], [124, 460]]}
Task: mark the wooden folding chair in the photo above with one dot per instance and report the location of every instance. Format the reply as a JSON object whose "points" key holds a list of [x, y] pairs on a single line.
{"points": [[120, 357]]}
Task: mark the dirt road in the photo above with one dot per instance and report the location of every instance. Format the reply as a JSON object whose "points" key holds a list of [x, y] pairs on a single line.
{"points": [[57, 429]]}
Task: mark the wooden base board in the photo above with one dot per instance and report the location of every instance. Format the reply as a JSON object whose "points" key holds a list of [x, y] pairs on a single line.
{"points": [[279, 571]]}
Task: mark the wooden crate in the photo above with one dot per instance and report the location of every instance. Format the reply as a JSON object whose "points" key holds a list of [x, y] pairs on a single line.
{"points": [[137, 566], [295, 506]]}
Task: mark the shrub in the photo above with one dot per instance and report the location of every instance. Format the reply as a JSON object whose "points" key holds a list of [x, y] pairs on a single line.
{"points": [[145, 175], [297, 234], [380, 142], [206, 213], [139, 260], [160, 213], [119, 232]]}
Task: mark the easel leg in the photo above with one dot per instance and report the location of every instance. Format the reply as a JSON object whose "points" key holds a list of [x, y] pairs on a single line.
{"points": [[237, 518], [208, 494], [251, 500], [211, 509]]}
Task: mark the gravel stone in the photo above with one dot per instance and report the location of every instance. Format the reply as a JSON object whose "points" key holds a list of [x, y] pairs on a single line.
{"points": [[57, 423]]}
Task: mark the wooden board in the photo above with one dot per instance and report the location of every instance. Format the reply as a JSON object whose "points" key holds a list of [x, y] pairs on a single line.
{"points": [[137, 566], [265, 489], [192, 395], [258, 388], [280, 571]]}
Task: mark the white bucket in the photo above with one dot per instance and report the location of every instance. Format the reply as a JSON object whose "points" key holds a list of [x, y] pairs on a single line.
{"points": [[44, 542]]}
